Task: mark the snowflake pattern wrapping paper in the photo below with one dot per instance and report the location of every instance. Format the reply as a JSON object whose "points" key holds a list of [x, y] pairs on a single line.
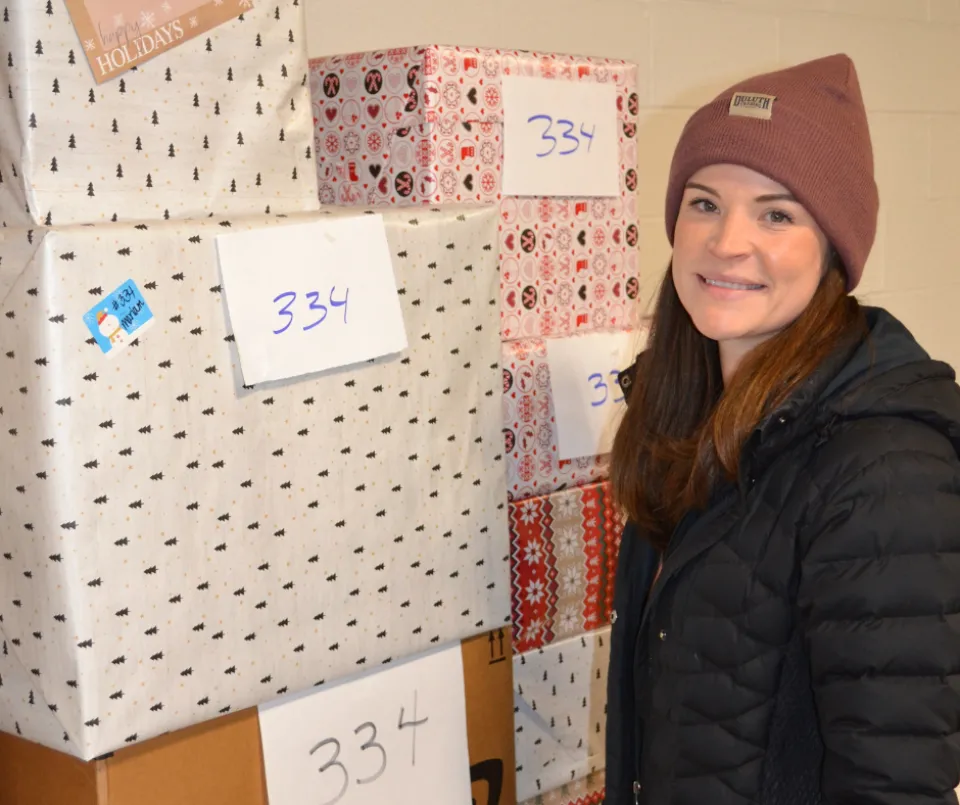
{"points": [[219, 125], [174, 545], [564, 550], [560, 720], [424, 125]]}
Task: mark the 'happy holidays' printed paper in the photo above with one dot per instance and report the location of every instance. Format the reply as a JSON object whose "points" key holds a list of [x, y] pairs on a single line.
{"points": [[119, 35]]}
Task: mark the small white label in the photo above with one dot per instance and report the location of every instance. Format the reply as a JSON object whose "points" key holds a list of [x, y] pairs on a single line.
{"points": [[587, 400], [560, 138], [309, 297], [397, 735], [752, 104]]}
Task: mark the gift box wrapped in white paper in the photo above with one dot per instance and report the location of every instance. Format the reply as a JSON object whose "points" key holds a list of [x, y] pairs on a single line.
{"points": [[174, 545], [220, 124], [560, 712]]}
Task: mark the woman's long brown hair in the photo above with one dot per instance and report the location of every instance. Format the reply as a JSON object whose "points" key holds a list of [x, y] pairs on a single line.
{"points": [[683, 431]]}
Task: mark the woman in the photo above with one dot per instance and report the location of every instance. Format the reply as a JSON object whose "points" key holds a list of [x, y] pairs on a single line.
{"points": [[787, 624]]}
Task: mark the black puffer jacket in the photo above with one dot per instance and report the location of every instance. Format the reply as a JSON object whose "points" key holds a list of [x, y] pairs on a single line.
{"points": [[802, 643]]}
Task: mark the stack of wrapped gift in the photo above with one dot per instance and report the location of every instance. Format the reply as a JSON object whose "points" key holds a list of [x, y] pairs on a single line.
{"points": [[426, 125], [175, 544]]}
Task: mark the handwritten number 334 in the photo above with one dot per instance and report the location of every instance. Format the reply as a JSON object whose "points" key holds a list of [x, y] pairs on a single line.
{"points": [[566, 135], [370, 744], [318, 308], [599, 384]]}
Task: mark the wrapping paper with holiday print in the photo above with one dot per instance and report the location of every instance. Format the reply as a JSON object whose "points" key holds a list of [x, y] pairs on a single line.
{"points": [[424, 125], [530, 427], [560, 701], [22, 708], [174, 545], [564, 550], [219, 125], [591, 790]]}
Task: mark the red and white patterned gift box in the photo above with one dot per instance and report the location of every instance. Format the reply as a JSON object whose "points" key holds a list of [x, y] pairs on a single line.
{"points": [[564, 551], [424, 125], [530, 427]]}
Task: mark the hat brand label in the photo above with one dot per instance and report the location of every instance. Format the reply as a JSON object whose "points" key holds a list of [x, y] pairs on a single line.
{"points": [[750, 104]]}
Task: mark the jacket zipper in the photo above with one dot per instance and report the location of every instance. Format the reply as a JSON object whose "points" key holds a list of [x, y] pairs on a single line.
{"points": [[683, 529]]}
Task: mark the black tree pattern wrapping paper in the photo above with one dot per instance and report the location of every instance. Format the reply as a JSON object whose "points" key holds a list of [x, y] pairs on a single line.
{"points": [[174, 546], [221, 124], [560, 712]]}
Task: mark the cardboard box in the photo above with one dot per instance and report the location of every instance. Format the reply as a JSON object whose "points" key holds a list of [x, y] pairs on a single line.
{"points": [[220, 762], [220, 124], [423, 125], [175, 546], [563, 559]]}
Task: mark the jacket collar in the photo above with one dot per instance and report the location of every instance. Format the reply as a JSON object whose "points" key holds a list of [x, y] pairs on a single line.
{"points": [[883, 372]]}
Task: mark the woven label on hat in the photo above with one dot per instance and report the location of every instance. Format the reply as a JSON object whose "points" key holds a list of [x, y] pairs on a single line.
{"points": [[751, 104]]}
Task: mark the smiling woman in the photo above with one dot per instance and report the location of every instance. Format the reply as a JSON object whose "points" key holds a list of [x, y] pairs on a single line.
{"points": [[786, 627], [747, 258]]}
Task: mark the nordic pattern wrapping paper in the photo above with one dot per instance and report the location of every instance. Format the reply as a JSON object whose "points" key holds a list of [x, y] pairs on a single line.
{"points": [[591, 790], [560, 701], [174, 546], [219, 125], [424, 125], [530, 427], [564, 550]]}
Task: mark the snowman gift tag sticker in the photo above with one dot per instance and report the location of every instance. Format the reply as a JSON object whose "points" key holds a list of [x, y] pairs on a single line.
{"points": [[114, 320]]}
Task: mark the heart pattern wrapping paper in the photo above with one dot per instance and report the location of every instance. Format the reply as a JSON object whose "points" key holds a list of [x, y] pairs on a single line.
{"points": [[424, 125], [560, 703], [173, 545], [564, 550], [219, 125], [530, 428]]}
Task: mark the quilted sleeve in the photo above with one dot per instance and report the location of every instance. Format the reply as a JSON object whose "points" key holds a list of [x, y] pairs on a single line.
{"points": [[879, 602]]}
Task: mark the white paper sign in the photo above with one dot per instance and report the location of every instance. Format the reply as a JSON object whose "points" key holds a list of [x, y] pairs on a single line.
{"points": [[397, 735], [587, 399], [560, 138], [308, 297]]}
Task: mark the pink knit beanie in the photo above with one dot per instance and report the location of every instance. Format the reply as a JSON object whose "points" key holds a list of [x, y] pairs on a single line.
{"points": [[806, 128]]}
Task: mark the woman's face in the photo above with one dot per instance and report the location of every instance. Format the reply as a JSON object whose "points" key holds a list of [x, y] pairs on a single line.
{"points": [[747, 257]]}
